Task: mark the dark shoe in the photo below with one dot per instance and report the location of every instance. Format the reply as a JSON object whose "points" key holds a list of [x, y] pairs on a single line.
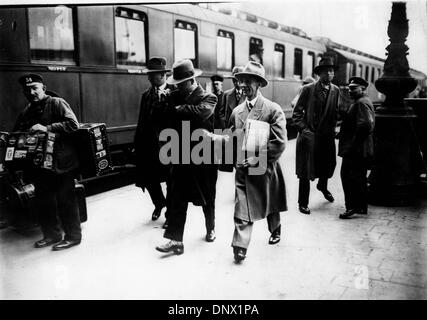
{"points": [[348, 213], [328, 196], [304, 210], [156, 213], [166, 224], [239, 254], [275, 236], [210, 236], [65, 244], [46, 242], [176, 246]]}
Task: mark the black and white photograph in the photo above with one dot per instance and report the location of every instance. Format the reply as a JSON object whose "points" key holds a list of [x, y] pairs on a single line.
{"points": [[213, 151]]}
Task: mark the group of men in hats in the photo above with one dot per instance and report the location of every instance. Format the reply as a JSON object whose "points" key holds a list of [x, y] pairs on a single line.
{"points": [[179, 99]]}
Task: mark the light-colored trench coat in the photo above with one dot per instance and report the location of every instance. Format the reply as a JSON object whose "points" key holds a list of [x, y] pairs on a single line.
{"points": [[260, 195]]}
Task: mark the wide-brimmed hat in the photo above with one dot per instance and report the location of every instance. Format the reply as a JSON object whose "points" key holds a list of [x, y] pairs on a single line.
{"points": [[30, 78], [324, 63], [217, 77], [357, 81], [156, 64], [255, 70], [183, 70]]}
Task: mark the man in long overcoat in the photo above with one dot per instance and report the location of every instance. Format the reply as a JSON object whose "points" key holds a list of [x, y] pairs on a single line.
{"points": [[149, 171], [190, 182], [356, 147], [258, 196], [232, 97], [315, 116]]}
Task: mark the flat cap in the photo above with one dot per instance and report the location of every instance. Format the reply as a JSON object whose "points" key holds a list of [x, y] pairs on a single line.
{"points": [[29, 79], [357, 81]]}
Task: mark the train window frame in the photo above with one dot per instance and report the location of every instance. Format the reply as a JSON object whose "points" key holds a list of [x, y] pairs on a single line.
{"points": [[142, 17], [360, 70], [373, 74], [279, 47], [189, 26], [73, 61], [367, 73], [227, 35], [256, 50], [313, 55], [379, 73], [300, 67]]}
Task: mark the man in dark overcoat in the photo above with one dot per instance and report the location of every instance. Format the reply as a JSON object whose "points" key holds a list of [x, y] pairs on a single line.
{"points": [[150, 172], [261, 195], [217, 82], [315, 116], [190, 182], [56, 201], [356, 147]]}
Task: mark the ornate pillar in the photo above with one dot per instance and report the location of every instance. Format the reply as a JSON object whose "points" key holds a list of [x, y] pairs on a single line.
{"points": [[395, 171]]}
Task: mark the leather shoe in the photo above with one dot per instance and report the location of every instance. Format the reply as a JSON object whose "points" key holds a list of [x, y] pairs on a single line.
{"points": [[176, 246], [328, 196], [46, 242], [348, 213], [239, 254], [166, 224], [65, 244], [156, 213], [210, 236], [275, 236], [304, 210]]}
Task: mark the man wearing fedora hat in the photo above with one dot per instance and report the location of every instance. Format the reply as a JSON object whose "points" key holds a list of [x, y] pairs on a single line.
{"points": [[150, 172], [356, 147], [56, 201], [315, 116], [190, 182], [258, 196]]}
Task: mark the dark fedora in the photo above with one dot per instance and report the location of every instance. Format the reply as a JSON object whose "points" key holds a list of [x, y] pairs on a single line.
{"points": [[30, 78], [156, 64], [254, 69], [183, 70], [325, 63], [235, 70], [357, 81], [217, 77]]}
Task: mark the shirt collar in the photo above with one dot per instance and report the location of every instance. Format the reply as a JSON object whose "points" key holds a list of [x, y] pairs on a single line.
{"points": [[253, 101]]}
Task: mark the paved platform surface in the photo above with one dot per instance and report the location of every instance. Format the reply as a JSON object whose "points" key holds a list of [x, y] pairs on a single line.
{"points": [[379, 256]]}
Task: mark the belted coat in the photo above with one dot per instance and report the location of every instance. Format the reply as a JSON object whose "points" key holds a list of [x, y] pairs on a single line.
{"points": [[315, 118], [149, 169], [257, 196], [191, 182]]}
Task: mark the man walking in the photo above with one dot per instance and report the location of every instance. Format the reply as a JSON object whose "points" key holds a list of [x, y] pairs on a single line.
{"points": [[356, 148], [315, 116], [149, 171], [261, 195], [190, 182]]}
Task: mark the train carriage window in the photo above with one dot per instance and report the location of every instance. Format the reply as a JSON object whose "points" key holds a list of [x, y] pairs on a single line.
{"points": [[354, 70], [224, 50], [367, 73], [51, 34], [185, 41], [360, 71], [349, 71], [256, 50], [372, 74], [279, 61], [310, 63], [131, 39], [298, 63], [379, 72]]}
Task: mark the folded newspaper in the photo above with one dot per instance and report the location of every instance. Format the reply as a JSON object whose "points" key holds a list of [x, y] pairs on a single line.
{"points": [[256, 136]]}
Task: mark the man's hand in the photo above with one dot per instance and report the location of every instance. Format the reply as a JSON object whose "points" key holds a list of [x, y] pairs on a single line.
{"points": [[250, 162], [216, 137], [38, 127]]}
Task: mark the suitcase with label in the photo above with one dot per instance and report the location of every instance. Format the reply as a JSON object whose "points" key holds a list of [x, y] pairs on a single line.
{"points": [[94, 151]]}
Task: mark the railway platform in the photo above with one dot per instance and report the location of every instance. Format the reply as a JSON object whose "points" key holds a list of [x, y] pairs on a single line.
{"points": [[379, 256]]}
